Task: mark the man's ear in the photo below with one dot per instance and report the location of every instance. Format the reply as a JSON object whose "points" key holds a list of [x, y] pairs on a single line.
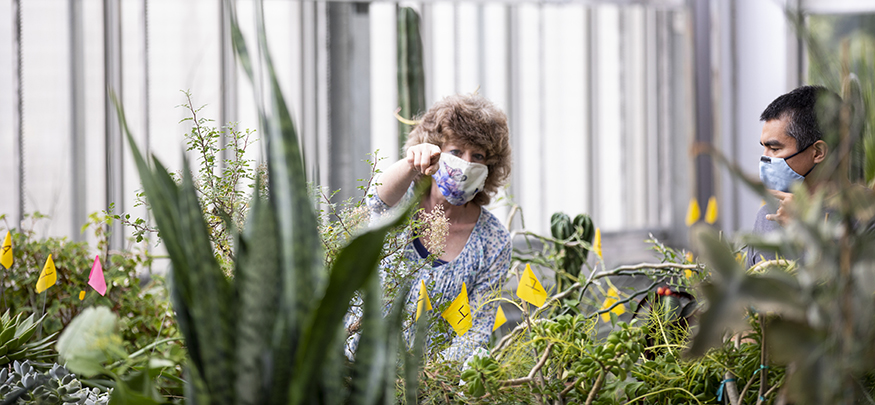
{"points": [[820, 150]]}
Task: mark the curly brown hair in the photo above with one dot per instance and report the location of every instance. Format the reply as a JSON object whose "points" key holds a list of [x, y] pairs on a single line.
{"points": [[469, 121]]}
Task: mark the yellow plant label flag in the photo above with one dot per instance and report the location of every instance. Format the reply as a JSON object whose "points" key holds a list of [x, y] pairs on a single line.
{"points": [[423, 300], [689, 259], [458, 314], [500, 319], [48, 277], [597, 243], [711, 210], [6, 255], [612, 297], [693, 212], [530, 289], [81, 295]]}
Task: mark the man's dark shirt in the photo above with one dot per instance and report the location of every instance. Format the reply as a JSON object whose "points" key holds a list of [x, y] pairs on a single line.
{"points": [[762, 226]]}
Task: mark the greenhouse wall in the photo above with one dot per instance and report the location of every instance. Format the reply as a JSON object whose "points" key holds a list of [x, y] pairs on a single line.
{"points": [[600, 95]]}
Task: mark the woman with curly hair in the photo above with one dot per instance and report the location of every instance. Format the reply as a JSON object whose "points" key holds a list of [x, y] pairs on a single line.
{"points": [[462, 146]]}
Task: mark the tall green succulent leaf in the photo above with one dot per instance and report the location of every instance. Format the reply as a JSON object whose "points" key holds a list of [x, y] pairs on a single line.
{"points": [[201, 292], [411, 75], [354, 264], [268, 340], [393, 342], [370, 356], [298, 243], [412, 360], [258, 279]]}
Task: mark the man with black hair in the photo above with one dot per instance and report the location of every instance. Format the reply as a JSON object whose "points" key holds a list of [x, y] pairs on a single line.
{"points": [[793, 145]]}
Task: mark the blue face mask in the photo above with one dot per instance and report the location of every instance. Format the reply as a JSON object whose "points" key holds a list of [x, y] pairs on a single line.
{"points": [[776, 174]]}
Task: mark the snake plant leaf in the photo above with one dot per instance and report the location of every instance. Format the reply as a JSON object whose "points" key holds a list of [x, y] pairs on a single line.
{"points": [[371, 354], [354, 264], [298, 242], [413, 360], [394, 328], [200, 291], [137, 389], [257, 278], [213, 299], [335, 370]]}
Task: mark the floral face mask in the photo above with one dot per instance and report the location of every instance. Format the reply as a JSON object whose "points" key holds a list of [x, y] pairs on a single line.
{"points": [[458, 179]]}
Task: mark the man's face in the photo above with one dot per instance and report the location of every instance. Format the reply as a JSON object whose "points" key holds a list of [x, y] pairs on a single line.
{"points": [[776, 143]]}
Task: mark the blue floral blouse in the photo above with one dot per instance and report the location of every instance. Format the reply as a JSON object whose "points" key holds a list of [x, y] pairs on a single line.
{"points": [[482, 265]]}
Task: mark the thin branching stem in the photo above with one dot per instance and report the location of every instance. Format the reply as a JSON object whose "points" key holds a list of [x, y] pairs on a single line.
{"points": [[536, 369], [622, 270]]}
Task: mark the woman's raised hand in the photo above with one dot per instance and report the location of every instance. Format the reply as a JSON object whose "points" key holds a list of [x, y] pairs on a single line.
{"points": [[424, 158]]}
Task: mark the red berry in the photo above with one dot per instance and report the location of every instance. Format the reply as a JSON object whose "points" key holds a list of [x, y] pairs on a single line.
{"points": [[660, 290], [667, 291]]}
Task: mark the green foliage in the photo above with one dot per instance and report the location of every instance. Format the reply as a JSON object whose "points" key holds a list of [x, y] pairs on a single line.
{"points": [[91, 346], [835, 43], [25, 384], [572, 252], [142, 301], [481, 376], [340, 222], [822, 310], [223, 184], [411, 74], [818, 310], [90, 340], [281, 304], [569, 355], [15, 335]]}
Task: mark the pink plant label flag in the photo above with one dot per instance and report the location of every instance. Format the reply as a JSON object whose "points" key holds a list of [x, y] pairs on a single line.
{"points": [[95, 279]]}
